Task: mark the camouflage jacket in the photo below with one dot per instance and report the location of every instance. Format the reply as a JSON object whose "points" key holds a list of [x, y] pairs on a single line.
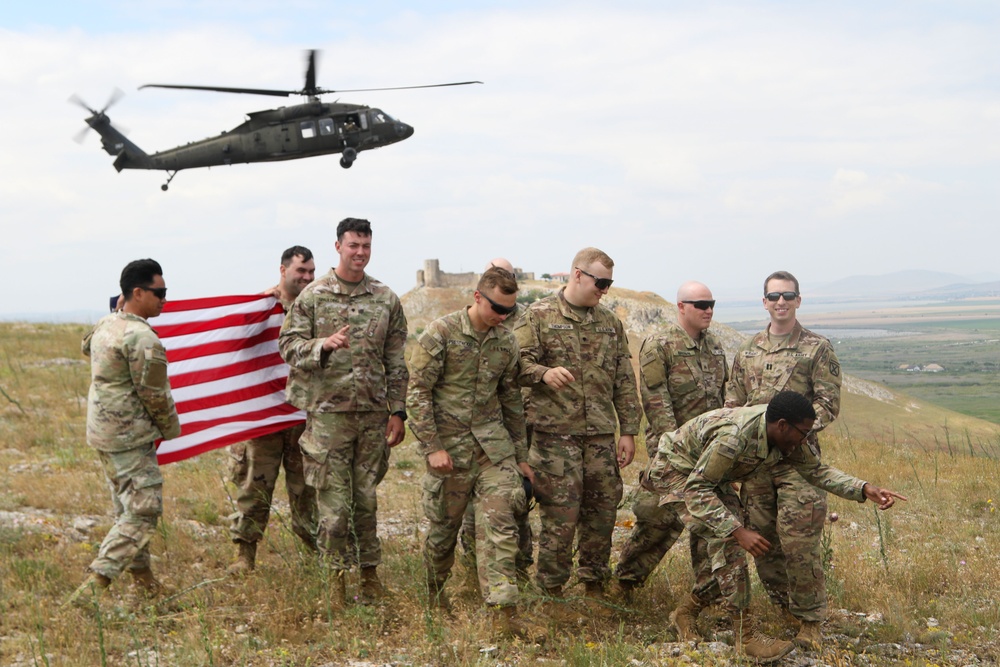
{"points": [[595, 351], [368, 376], [730, 445], [805, 364], [680, 378], [464, 392], [130, 402]]}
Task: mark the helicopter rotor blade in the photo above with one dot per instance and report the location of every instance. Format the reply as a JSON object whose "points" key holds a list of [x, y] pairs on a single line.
{"points": [[116, 95], [75, 99], [310, 86], [81, 135], [221, 89], [321, 91]]}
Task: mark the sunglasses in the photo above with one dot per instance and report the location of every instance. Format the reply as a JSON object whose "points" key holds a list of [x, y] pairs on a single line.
{"points": [[158, 292], [497, 308], [702, 305], [774, 296], [599, 283], [804, 433]]}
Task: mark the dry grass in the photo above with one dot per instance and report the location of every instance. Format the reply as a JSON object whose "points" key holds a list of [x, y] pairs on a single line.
{"points": [[934, 557]]}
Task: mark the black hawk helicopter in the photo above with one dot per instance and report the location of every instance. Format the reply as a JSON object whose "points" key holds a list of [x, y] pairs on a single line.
{"points": [[285, 133]]}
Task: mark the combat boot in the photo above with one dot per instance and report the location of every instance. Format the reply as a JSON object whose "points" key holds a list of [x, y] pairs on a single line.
{"points": [[470, 584], [245, 561], [146, 584], [372, 589], [622, 589], [507, 623], [594, 592], [810, 636], [685, 619], [90, 590], [557, 608], [754, 644], [437, 597]]}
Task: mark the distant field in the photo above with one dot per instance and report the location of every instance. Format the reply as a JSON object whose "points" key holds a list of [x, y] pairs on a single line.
{"points": [[963, 337]]}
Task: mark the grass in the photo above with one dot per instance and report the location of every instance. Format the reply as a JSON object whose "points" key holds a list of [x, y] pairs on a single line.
{"points": [[933, 557]]}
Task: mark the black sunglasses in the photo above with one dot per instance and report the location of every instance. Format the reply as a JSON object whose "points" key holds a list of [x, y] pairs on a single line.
{"points": [[774, 296], [804, 433], [497, 308], [704, 304], [158, 292], [600, 283]]}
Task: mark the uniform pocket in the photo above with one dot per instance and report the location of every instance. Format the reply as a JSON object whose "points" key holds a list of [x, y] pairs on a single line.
{"points": [[432, 490]]}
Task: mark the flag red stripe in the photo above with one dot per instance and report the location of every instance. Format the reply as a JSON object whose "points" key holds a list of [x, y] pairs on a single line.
{"points": [[238, 320], [283, 409], [235, 396], [232, 370], [222, 346], [201, 448]]}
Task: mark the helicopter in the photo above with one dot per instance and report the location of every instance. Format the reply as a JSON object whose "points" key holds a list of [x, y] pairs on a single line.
{"points": [[286, 133]]}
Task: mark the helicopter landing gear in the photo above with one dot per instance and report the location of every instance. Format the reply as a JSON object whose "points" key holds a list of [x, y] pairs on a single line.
{"points": [[169, 178], [348, 157]]}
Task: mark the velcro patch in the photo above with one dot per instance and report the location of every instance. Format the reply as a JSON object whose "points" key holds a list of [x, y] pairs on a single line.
{"points": [[607, 330], [834, 369], [561, 327]]}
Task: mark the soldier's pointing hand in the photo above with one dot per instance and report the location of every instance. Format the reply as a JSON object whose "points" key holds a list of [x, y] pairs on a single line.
{"points": [[337, 341], [883, 497]]}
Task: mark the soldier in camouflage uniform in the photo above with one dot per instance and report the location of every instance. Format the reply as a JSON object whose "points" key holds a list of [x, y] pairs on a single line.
{"points": [[467, 537], [129, 408], [682, 373], [344, 338], [575, 358], [254, 464], [780, 505], [693, 470], [466, 413]]}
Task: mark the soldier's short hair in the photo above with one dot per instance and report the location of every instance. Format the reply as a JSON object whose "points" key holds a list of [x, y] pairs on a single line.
{"points": [[791, 406], [295, 251], [501, 279], [588, 256], [781, 275], [138, 273], [357, 225]]}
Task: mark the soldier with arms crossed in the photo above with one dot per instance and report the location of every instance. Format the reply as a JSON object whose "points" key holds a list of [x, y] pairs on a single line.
{"points": [[682, 373], [694, 469], [343, 339], [575, 358], [129, 408], [466, 413], [780, 505], [255, 464]]}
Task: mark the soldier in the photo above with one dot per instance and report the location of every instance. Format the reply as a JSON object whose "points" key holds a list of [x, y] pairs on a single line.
{"points": [[467, 537], [344, 339], [467, 415], [781, 506], [575, 358], [254, 465], [682, 373], [693, 470], [129, 408]]}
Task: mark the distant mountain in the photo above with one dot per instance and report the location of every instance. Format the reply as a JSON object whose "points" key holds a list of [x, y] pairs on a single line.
{"points": [[907, 284], [962, 291]]}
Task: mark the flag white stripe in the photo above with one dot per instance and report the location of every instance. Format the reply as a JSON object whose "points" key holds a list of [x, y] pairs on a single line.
{"points": [[223, 359], [205, 314], [226, 333], [221, 431], [225, 385], [233, 409]]}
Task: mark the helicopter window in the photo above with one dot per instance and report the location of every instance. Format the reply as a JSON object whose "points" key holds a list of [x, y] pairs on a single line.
{"points": [[326, 126], [308, 129], [379, 116]]}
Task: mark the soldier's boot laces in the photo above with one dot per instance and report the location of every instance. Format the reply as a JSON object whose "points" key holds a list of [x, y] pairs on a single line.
{"points": [[147, 585], [754, 644], [372, 589], [246, 559], [810, 636], [685, 619], [88, 591]]}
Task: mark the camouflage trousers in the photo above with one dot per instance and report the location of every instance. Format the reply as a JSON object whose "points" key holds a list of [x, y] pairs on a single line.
{"points": [[137, 495], [578, 488], [253, 467], [730, 577], [525, 539], [656, 529], [497, 494], [344, 457], [790, 513]]}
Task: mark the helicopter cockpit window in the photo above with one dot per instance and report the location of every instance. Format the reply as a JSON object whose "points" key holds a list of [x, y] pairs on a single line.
{"points": [[326, 126], [308, 129], [379, 116]]}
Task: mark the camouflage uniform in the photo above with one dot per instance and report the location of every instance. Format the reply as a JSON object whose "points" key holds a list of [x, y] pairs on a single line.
{"points": [[464, 399], [525, 546], [680, 378], [784, 509], [573, 454], [348, 395], [129, 407], [254, 466], [693, 470]]}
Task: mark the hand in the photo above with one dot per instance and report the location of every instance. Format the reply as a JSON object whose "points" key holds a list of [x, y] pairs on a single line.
{"points": [[626, 450], [557, 377], [394, 431], [439, 461], [883, 497], [273, 291], [526, 471], [751, 541], [337, 341]]}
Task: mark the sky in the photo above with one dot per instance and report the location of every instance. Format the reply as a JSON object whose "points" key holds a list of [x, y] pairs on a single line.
{"points": [[714, 141]]}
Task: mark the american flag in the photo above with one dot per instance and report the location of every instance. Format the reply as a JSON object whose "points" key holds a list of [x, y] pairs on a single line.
{"points": [[226, 375]]}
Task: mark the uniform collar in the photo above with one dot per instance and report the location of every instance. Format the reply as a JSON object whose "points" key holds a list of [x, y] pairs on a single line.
{"points": [[364, 287], [761, 340], [468, 330], [569, 313]]}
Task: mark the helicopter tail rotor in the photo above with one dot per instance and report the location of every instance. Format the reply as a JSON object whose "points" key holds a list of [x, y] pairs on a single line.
{"points": [[96, 117]]}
